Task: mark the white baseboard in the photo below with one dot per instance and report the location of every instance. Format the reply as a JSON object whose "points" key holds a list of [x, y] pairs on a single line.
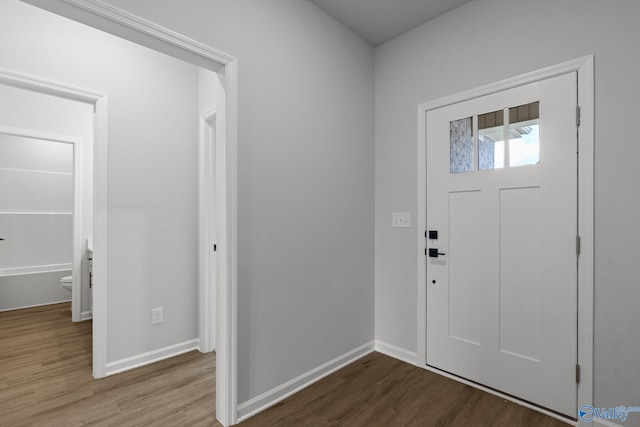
{"points": [[202, 351], [35, 269], [86, 315], [35, 305], [151, 357], [273, 396], [397, 352]]}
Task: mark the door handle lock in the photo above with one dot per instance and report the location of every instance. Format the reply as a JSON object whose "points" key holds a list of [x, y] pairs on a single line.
{"points": [[433, 253]]}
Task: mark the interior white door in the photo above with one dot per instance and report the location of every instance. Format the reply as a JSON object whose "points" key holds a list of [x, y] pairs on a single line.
{"points": [[502, 290]]}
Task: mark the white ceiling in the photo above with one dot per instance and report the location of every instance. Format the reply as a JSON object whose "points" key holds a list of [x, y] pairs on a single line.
{"points": [[378, 21]]}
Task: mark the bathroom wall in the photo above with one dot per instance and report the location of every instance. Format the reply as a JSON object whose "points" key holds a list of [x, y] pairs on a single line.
{"points": [[36, 197]]}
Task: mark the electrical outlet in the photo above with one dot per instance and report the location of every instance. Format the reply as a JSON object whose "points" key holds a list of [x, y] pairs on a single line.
{"points": [[401, 220], [157, 316]]}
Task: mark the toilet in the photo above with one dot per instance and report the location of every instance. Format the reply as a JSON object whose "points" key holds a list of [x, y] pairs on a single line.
{"points": [[66, 282]]}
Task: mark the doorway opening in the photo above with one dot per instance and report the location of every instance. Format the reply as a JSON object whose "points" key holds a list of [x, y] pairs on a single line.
{"points": [[120, 23], [45, 204]]}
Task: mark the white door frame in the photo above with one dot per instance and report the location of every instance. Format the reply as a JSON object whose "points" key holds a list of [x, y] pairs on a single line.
{"points": [[99, 102], [105, 17], [585, 72], [207, 214], [76, 260]]}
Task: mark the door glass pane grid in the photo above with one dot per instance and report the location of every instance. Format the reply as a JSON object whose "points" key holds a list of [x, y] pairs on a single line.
{"points": [[485, 146]]}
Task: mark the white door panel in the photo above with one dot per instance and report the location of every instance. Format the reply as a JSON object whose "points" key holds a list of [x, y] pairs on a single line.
{"points": [[501, 301]]}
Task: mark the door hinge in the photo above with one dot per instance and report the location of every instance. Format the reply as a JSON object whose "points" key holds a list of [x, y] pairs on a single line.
{"points": [[577, 374], [577, 115], [425, 251], [578, 244]]}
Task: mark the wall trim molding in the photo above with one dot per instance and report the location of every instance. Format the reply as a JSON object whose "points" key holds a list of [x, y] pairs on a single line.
{"points": [[37, 172], [153, 356], [584, 67], [148, 28], [265, 400], [36, 213], [37, 84], [409, 357], [35, 305], [86, 315], [35, 269]]}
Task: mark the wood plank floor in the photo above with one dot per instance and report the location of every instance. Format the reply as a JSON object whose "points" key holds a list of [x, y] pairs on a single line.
{"points": [[45, 380], [378, 390]]}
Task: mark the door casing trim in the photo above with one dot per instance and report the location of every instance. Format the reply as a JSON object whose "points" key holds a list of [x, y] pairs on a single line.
{"points": [[584, 67], [207, 282]]}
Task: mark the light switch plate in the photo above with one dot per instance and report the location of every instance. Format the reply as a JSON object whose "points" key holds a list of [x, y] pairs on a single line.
{"points": [[401, 220]]}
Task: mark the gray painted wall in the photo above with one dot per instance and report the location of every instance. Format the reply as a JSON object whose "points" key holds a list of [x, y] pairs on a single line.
{"points": [[305, 179], [30, 290], [449, 55]]}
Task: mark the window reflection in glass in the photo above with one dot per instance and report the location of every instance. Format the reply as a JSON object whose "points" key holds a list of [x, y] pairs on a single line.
{"points": [[491, 140], [524, 135]]}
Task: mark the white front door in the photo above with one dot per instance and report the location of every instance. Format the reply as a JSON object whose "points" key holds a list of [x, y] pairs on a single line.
{"points": [[502, 272]]}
